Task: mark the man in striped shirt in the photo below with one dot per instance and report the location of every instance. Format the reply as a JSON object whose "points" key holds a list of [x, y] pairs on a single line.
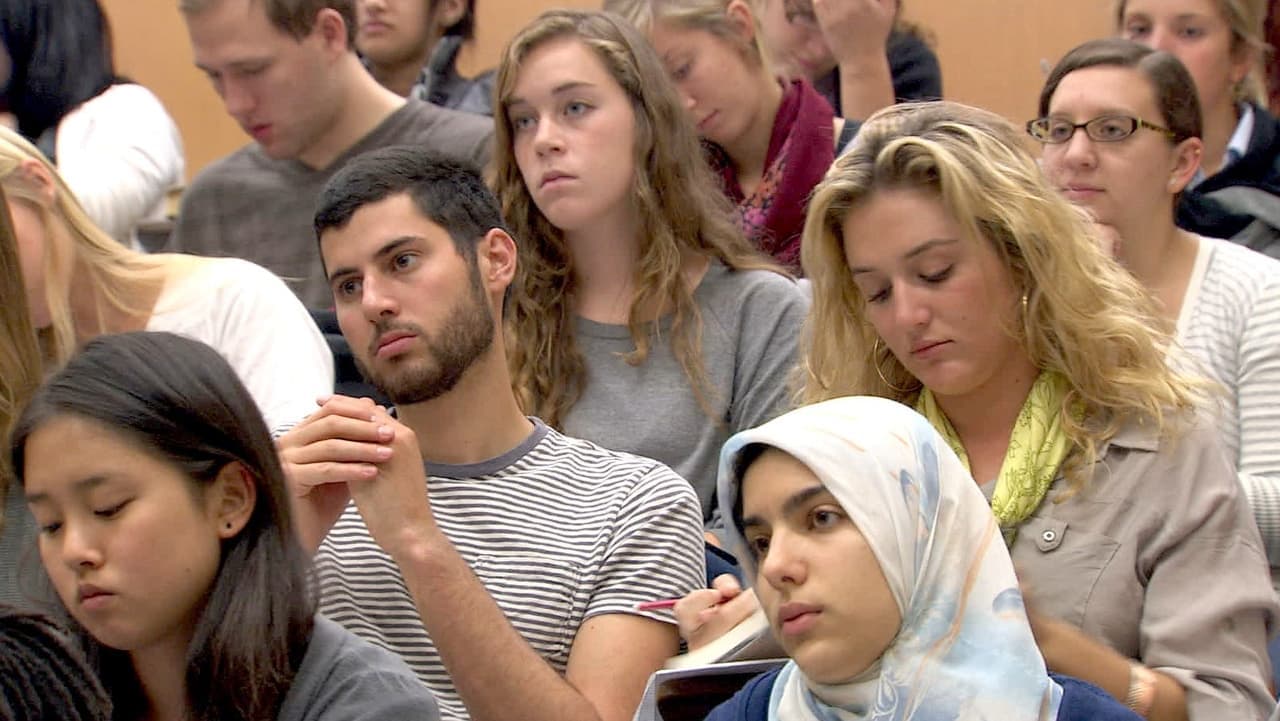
{"points": [[507, 571]]}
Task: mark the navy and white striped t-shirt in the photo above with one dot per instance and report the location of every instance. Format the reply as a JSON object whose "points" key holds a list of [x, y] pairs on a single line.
{"points": [[558, 530]]}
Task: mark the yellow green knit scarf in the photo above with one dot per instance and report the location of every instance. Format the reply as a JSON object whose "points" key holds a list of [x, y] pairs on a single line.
{"points": [[1037, 448]]}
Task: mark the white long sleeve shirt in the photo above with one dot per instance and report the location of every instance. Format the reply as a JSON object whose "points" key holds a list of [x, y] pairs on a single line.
{"points": [[1230, 326], [120, 153]]}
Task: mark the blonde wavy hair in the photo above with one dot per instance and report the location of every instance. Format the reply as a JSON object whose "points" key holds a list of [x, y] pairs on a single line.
{"points": [[1084, 317], [20, 362], [707, 15], [119, 276], [1246, 19], [679, 205]]}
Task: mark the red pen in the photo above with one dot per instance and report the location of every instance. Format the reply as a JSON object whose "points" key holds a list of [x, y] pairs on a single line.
{"points": [[655, 605]]}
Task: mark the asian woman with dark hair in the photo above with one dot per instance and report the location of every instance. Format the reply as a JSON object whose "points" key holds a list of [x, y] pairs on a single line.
{"points": [[165, 531]]}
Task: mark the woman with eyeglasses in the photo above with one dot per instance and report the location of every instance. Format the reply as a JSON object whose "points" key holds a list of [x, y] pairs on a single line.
{"points": [[1121, 132], [1236, 192]]}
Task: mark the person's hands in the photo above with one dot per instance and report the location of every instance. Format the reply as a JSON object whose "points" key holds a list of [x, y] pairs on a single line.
{"points": [[1056, 639], [393, 502], [339, 443], [855, 29], [706, 614]]}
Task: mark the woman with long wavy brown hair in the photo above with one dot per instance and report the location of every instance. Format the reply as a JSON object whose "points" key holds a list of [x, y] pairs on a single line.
{"points": [[641, 318]]}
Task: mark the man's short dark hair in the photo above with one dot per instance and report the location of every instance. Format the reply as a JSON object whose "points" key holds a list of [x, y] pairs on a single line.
{"points": [[295, 18], [447, 192]]}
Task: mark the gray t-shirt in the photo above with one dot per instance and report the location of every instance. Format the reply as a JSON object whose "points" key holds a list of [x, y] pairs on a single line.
{"points": [[750, 328], [251, 206], [18, 556], [344, 678]]}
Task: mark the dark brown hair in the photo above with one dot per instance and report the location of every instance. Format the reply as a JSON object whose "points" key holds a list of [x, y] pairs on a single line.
{"points": [[1174, 89], [181, 402]]}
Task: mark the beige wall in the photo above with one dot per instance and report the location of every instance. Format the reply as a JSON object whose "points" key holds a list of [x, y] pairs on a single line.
{"points": [[991, 53], [152, 48]]}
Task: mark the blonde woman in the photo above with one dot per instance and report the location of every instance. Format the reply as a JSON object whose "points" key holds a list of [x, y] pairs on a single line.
{"points": [[80, 283], [19, 375], [641, 319], [19, 354], [950, 276], [768, 141], [1222, 44]]}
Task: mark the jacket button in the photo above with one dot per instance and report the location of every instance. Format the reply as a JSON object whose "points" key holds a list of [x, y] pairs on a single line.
{"points": [[1049, 536]]}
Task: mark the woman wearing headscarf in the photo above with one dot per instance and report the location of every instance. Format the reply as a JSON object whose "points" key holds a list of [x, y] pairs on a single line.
{"points": [[883, 575]]}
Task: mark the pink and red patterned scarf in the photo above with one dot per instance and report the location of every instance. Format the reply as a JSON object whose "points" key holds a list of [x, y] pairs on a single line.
{"points": [[801, 150]]}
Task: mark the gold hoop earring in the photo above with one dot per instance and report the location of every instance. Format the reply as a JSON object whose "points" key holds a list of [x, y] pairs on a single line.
{"points": [[875, 360]]}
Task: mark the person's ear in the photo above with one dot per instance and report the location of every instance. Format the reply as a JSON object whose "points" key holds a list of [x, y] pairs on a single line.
{"points": [[331, 29], [39, 178], [742, 21], [1186, 161], [232, 498], [496, 255], [1243, 59], [448, 13]]}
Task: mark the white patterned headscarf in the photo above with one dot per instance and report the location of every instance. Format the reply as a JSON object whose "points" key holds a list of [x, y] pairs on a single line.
{"points": [[965, 649]]}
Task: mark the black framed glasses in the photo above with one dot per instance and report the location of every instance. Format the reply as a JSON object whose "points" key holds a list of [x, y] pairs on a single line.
{"points": [[1102, 129]]}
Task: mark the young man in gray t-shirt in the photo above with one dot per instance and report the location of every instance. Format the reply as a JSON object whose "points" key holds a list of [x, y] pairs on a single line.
{"points": [[289, 75]]}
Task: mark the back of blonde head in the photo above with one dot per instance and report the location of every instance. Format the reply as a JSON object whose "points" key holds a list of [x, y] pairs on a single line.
{"points": [[678, 203], [73, 241], [1085, 317], [707, 15]]}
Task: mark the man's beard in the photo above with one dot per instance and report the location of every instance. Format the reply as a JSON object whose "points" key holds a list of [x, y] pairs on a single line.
{"points": [[465, 335]]}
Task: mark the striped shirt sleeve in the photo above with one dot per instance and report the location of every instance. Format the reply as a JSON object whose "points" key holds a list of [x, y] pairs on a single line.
{"points": [[1258, 397], [657, 549]]}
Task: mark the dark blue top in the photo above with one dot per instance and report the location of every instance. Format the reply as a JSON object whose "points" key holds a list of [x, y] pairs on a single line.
{"points": [[1241, 201], [1081, 701], [913, 67]]}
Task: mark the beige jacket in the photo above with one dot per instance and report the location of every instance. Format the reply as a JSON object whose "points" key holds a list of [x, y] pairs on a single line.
{"points": [[1160, 558]]}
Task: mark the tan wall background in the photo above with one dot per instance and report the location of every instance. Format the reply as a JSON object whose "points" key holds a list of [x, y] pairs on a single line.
{"points": [[992, 52]]}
